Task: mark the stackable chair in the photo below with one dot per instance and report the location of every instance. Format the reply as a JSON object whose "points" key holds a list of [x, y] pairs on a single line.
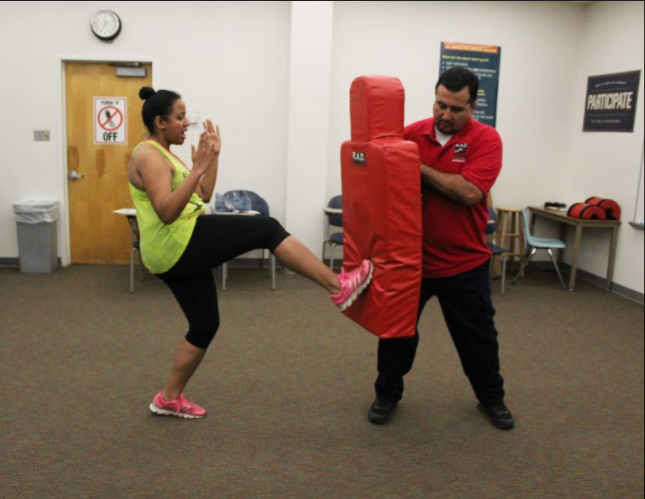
{"points": [[538, 243], [261, 206], [491, 228], [334, 219]]}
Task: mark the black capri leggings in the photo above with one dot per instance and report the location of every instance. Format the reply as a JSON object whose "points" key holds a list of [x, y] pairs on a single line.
{"points": [[216, 239]]}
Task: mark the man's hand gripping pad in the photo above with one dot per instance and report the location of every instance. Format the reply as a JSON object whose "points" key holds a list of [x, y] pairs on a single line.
{"points": [[382, 208]]}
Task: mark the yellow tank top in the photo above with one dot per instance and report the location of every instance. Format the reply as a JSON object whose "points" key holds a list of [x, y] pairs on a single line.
{"points": [[162, 245]]}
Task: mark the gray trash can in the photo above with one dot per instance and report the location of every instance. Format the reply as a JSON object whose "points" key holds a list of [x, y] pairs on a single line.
{"points": [[37, 234]]}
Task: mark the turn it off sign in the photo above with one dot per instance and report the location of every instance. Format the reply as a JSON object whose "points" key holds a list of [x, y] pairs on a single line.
{"points": [[610, 105], [110, 120]]}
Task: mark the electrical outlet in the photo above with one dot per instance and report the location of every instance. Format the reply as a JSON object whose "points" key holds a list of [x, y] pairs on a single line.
{"points": [[41, 135]]}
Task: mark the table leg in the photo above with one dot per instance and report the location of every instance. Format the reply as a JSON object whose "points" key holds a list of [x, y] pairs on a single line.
{"points": [[521, 240], [574, 261], [563, 236], [612, 257]]}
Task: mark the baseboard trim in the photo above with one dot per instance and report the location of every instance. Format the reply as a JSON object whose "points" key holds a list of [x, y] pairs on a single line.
{"points": [[14, 263], [598, 281]]}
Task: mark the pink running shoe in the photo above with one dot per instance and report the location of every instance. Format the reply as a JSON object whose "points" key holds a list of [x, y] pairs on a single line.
{"points": [[179, 407], [353, 284]]}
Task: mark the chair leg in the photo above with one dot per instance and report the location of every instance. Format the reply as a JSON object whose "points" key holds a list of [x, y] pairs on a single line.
{"points": [[262, 261], [322, 255], [557, 269], [503, 273], [530, 252], [274, 285], [224, 275], [132, 270], [331, 260], [272, 259], [140, 266], [526, 254]]}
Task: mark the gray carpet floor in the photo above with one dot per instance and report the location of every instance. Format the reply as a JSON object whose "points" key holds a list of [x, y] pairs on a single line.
{"points": [[287, 383]]}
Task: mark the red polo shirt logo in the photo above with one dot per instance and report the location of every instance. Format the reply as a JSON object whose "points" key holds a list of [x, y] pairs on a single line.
{"points": [[460, 152]]}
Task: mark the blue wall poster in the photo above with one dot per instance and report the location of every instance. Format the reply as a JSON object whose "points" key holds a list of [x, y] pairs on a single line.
{"points": [[483, 60], [610, 104]]}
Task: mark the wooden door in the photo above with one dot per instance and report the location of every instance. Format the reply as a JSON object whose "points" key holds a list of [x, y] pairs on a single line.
{"points": [[97, 181]]}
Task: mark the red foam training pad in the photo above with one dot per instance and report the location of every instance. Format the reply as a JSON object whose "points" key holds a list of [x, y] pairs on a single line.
{"points": [[382, 208], [610, 206], [586, 211]]}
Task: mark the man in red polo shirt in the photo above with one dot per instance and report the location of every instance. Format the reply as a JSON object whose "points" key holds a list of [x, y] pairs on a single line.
{"points": [[460, 160]]}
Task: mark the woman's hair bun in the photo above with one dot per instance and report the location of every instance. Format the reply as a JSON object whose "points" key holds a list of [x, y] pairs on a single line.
{"points": [[146, 92]]}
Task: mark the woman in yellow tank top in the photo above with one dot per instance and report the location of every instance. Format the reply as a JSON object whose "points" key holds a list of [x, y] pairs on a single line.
{"points": [[181, 244]]}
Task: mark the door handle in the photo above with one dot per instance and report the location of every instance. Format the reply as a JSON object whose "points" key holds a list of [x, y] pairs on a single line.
{"points": [[74, 175]]}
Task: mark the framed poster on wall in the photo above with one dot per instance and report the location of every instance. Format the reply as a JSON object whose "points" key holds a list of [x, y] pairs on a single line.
{"points": [[610, 104], [483, 60]]}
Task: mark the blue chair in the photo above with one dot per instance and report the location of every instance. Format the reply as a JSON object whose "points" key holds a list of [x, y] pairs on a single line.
{"points": [[491, 228], [334, 215], [538, 243], [262, 207]]}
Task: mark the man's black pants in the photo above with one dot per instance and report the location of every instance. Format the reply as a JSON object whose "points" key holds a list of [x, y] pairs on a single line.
{"points": [[467, 307]]}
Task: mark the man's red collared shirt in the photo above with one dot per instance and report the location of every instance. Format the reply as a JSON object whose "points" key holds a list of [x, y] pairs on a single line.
{"points": [[453, 233]]}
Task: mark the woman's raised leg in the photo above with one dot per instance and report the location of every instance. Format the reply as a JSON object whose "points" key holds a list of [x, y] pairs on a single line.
{"points": [[297, 257]]}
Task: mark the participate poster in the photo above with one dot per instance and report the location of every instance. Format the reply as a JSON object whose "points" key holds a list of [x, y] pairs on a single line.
{"points": [[610, 104], [483, 60]]}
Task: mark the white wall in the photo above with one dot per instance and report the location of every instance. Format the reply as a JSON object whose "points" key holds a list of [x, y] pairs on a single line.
{"points": [[540, 45], [639, 212], [234, 62], [308, 125], [540, 42], [608, 164], [229, 60], [548, 50]]}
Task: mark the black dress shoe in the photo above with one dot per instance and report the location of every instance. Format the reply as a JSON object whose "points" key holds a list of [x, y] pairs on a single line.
{"points": [[498, 414], [381, 411]]}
